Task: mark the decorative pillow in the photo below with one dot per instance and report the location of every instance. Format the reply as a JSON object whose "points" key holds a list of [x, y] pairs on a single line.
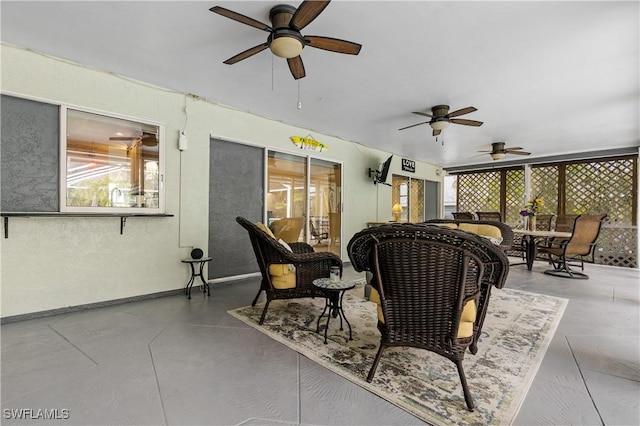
{"points": [[266, 229], [288, 247]]}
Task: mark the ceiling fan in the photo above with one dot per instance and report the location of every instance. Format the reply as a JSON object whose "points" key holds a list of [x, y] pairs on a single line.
{"points": [[441, 118], [147, 139], [284, 38], [499, 151]]}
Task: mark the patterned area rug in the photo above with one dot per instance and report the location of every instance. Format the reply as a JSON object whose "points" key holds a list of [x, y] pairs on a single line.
{"points": [[518, 329]]}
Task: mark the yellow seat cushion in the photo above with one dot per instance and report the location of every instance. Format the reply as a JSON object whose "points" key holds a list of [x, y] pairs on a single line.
{"points": [[282, 275], [287, 280], [468, 317], [448, 225], [481, 229]]}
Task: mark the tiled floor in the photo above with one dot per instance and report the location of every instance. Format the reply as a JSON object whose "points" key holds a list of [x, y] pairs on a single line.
{"points": [[173, 361]]}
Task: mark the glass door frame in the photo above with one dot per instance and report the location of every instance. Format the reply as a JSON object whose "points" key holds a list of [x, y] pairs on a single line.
{"points": [[308, 161]]}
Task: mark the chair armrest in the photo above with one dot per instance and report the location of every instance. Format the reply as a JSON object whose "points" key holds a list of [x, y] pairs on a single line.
{"points": [[301, 248]]}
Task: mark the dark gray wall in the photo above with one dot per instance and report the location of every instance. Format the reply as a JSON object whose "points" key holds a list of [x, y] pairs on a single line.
{"points": [[29, 156], [236, 182], [430, 200]]}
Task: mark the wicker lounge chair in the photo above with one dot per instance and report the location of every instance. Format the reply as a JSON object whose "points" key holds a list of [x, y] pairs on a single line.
{"points": [[464, 215], [492, 216], [287, 274], [433, 286]]}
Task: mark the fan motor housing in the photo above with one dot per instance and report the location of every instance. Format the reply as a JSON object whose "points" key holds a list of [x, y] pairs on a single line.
{"points": [[280, 15]]}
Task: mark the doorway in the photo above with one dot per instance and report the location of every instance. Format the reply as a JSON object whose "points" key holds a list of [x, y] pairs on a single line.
{"points": [[304, 200]]}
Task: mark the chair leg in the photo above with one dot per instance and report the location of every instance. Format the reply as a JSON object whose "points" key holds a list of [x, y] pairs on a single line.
{"points": [[465, 388], [256, 298], [564, 271], [264, 311], [372, 372]]}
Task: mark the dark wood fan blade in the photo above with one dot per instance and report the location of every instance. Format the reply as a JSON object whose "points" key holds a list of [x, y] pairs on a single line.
{"points": [[247, 53], [297, 67], [240, 18], [436, 132], [513, 148], [462, 111], [466, 122], [307, 12], [333, 44], [414, 125], [508, 151], [422, 113]]}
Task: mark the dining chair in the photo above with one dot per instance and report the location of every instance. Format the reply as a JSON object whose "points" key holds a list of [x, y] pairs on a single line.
{"points": [[432, 286], [578, 247]]}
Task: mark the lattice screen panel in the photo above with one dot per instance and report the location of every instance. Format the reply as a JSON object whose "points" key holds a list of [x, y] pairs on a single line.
{"points": [[416, 201], [606, 187], [514, 198], [544, 181], [479, 192]]}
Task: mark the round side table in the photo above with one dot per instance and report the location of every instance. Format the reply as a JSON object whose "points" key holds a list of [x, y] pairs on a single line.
{"points": [[334, 293], [193, 262]]}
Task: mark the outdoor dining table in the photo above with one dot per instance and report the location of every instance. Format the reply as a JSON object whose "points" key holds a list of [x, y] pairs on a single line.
{"points": [[531, 238]]}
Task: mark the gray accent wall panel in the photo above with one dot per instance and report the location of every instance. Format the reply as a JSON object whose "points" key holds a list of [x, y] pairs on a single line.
{"points": [[236, 182], [430, 200], [29, 156]]}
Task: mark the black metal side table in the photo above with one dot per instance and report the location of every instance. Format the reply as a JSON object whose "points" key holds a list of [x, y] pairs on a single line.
{"points": [[334, 292], [193, 262]]}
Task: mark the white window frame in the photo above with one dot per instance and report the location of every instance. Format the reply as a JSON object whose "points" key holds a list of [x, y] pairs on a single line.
{"points": [[107, 210]]}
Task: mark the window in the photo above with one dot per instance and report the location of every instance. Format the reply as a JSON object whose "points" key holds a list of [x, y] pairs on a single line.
{"points": [[110, 164]]}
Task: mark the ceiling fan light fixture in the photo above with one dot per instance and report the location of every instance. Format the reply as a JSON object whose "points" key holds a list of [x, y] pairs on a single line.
{"points": [[497, 155], [439, 124], [286, 45]]}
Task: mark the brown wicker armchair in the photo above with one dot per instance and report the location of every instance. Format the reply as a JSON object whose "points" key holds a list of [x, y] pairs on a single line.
{"points": [[433, 286], [286, 274], [580, 246], [464, 215], [492, 216]]}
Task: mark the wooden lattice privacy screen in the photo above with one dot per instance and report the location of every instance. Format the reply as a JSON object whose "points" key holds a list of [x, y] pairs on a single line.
{"points": [[582, 187]]}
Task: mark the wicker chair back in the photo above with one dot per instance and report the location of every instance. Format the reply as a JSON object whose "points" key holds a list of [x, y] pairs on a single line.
{"points": [[492, 216], [424, 275]]}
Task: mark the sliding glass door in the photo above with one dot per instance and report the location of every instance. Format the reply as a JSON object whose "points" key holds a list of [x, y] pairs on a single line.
{"points": [[304, 200]]}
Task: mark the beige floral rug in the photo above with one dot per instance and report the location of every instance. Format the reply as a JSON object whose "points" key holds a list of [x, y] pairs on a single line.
{"points": [[518, 329]]}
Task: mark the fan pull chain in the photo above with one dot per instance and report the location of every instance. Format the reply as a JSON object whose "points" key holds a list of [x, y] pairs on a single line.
{"points": [[299, 102], [272, 73]]}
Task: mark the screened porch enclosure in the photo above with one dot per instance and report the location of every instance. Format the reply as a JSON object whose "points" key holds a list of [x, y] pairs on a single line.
{"points": [[607, 185]]}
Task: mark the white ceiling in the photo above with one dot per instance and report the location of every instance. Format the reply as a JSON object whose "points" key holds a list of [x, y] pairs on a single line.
{"points": [[551, 77]]}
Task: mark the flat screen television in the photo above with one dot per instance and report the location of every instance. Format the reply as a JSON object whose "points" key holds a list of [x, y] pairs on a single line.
{"points": [[384, 171]]}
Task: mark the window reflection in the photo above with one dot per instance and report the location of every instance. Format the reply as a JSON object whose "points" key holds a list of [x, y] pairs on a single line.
{"points": [[111, 163]]}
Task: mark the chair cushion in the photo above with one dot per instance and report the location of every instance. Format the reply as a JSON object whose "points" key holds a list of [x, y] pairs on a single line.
{"points": [[282, 275], [468, 317], [491, 232], [287, 280], [448, 225]]}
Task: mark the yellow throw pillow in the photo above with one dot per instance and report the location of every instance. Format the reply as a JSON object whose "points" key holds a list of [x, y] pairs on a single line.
{"points": [[266, 229]]}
